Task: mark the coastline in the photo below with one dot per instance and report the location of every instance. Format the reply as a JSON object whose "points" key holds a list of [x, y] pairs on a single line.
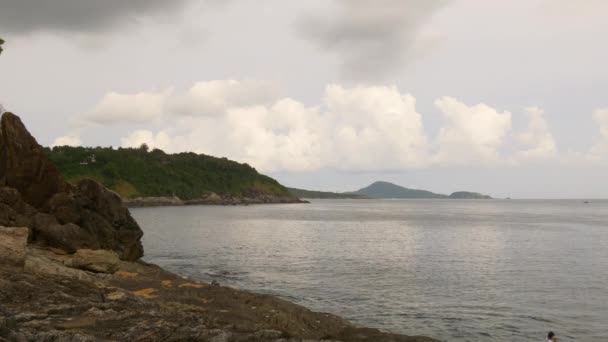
{"points": [[210, 199]]}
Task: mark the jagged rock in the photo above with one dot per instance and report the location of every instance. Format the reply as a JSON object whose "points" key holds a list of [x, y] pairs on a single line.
{"points": [[99, 261], [14, 211], [13, 242], [24, 165], [104, 215], [33, 194]]}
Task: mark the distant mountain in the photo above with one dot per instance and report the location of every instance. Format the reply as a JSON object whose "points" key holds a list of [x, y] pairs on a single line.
{"points": [[390, 190], [300, 193]]}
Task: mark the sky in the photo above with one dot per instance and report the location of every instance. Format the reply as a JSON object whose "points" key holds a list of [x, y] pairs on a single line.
{"points": [[508, 98]]}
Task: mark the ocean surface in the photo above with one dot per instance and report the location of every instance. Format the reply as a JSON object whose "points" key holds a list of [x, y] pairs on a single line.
{"points": [[456, 270]]}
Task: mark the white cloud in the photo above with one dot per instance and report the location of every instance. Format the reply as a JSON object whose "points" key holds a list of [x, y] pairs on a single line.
{"points": [[373, 128], [128, 108], [537, 140], [471, 133], [214, 97], [599, 151], [358, 129], [67, 140], [159, 140]]}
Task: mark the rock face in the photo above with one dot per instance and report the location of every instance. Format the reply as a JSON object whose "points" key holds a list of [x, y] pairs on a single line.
{"points": [[13, 241], [23, 164], [35, 195]]}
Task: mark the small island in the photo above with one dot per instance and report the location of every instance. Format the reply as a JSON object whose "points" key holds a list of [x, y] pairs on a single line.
{"points": [[386, 190]]}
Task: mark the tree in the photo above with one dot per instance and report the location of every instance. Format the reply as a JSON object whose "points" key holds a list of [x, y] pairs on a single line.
{"points": [[144, 147], [1, 42]]}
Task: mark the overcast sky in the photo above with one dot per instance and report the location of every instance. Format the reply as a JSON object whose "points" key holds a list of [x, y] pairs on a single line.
{"points": [[508, 98]]}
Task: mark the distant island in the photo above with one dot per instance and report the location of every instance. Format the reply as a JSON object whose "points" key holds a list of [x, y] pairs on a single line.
{"points": [[378, 190], [300, 193], [145, 177], [390, 190]]}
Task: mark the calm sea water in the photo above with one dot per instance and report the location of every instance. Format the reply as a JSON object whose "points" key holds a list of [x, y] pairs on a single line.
{"points": [[456, 270]]}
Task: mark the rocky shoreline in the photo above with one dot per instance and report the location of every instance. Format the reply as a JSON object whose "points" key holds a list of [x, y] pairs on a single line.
{"points": [[71, 270], [211, 199], [51, 296]]}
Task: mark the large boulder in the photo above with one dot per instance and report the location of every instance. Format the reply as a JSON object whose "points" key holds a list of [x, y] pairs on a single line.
{"points": [[24, 165], [34, 194], [13, 241]]}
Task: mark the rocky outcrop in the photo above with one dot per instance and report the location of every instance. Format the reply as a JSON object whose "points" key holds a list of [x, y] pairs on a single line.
{"points": [[34, 194], [24, 165]]}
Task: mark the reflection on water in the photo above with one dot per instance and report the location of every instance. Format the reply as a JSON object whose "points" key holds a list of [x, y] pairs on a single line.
{"points": [[451, 269]]}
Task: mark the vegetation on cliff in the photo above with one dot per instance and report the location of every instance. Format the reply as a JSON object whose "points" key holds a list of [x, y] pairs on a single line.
{"points": [[140, 172], [300, 193]]}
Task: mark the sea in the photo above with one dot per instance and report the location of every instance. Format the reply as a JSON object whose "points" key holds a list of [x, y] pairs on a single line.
{"points": [[455, 270]]}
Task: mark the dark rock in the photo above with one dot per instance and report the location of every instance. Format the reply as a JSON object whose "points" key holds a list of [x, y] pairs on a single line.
{"points": [[24, 165], [13, 210], [65, 209], [104, 216], [68, 237]]}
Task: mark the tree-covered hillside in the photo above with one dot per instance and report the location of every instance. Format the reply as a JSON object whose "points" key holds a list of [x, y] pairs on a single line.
{"points": [[138, 172], [300, 193]]}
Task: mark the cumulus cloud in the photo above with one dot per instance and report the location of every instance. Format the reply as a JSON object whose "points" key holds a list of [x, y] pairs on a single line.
{"points": [[26, 16], [471, 133], [68, 140], [371, 38], [213, 97], [159, 140], [600, 150], [373, 128], [356, 128], [537, 140], [128, 108]]}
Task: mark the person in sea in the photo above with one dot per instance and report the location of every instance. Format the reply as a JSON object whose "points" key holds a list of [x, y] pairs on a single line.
{"points": [[551, 337]]}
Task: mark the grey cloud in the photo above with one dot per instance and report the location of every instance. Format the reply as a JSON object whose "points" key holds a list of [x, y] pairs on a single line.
{"points": [[372, 38], [88, 16]]}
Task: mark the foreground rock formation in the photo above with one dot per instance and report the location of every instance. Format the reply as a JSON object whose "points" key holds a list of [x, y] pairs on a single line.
{"points": [[33, 194], [69, 271]]}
